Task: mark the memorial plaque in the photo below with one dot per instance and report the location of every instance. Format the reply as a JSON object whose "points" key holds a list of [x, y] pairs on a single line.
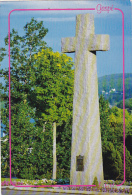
{"points": [[79, 163]]}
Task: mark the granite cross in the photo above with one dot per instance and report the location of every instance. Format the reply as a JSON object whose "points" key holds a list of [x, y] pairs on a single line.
{"points": [[86, 151]]}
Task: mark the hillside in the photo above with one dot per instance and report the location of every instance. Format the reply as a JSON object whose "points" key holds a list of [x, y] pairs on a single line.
{"points": [[111, 86], [128, 104]]}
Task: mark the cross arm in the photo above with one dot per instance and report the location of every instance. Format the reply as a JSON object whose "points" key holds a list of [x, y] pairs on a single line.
{"points": [[68, 44], [94, 42], [100, 43]]}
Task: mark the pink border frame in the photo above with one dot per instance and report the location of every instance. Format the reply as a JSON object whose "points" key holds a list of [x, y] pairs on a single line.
{"points": [[10, 91]]}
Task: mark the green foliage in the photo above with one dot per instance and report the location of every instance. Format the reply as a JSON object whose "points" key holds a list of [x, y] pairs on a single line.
{"points": [[111, 122], [104, 85], [117, 182], [52, 86], [115, 81], [6, 182], [95, 182], [63, 181], [64, 135], [128, 104], [41, 93], [104, 118]]}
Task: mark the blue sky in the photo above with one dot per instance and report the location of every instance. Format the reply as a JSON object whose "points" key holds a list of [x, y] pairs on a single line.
{"points": [[62, 24]]}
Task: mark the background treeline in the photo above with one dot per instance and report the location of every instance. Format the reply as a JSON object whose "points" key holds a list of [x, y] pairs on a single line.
{"points": [[42, 84], [111, 86]]}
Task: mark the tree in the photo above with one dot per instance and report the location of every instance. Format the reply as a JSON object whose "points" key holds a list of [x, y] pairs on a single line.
{"points": [[107, 146], [41, 93], [128, 104], [52, 91], [111, 122], [104, 118], [64, 136], [112, 82], [116, 127], [104, 84], [22, 52], [52, 95]]}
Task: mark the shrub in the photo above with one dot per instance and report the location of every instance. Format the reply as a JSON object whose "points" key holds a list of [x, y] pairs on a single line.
{"points": [[95, 182]]}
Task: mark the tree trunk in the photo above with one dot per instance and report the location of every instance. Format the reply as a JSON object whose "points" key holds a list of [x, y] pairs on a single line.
{"points": [[54, 150]]}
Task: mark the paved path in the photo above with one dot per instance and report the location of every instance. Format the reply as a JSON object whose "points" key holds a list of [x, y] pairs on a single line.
{"points": [[19, 192], [34, 191]]}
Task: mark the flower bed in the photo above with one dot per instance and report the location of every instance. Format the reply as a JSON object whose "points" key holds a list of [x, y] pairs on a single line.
{"points": [[29, 182], [99, 189], [40, 182], [7, 183], [117, 182], [88, 188]]}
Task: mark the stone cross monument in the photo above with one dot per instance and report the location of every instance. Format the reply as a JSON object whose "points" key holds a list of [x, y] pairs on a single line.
{"points": [[86, 152]]}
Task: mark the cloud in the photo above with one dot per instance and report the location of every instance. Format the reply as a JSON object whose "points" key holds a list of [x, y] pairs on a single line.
{"points": [[68, 19], [8, 6], [49, 4]]}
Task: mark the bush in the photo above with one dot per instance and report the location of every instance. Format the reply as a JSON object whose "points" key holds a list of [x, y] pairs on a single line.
{"points": [[95, 182], [63, 181]]}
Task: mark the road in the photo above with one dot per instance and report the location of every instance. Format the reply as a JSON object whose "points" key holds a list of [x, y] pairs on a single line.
{"points": [[19, 192]]}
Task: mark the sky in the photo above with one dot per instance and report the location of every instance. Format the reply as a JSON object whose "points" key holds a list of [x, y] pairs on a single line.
{"points": [[62, 24]]}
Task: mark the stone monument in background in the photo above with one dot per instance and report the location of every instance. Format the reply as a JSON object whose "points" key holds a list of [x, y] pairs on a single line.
{"points": [[86, 151]]}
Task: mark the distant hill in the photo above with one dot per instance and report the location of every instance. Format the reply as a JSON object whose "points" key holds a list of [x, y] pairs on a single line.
{"points": [[111, 86], [128, 104]]}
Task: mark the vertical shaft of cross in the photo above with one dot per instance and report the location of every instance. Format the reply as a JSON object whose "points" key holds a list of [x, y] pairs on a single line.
{"points": [[86, 152]]}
